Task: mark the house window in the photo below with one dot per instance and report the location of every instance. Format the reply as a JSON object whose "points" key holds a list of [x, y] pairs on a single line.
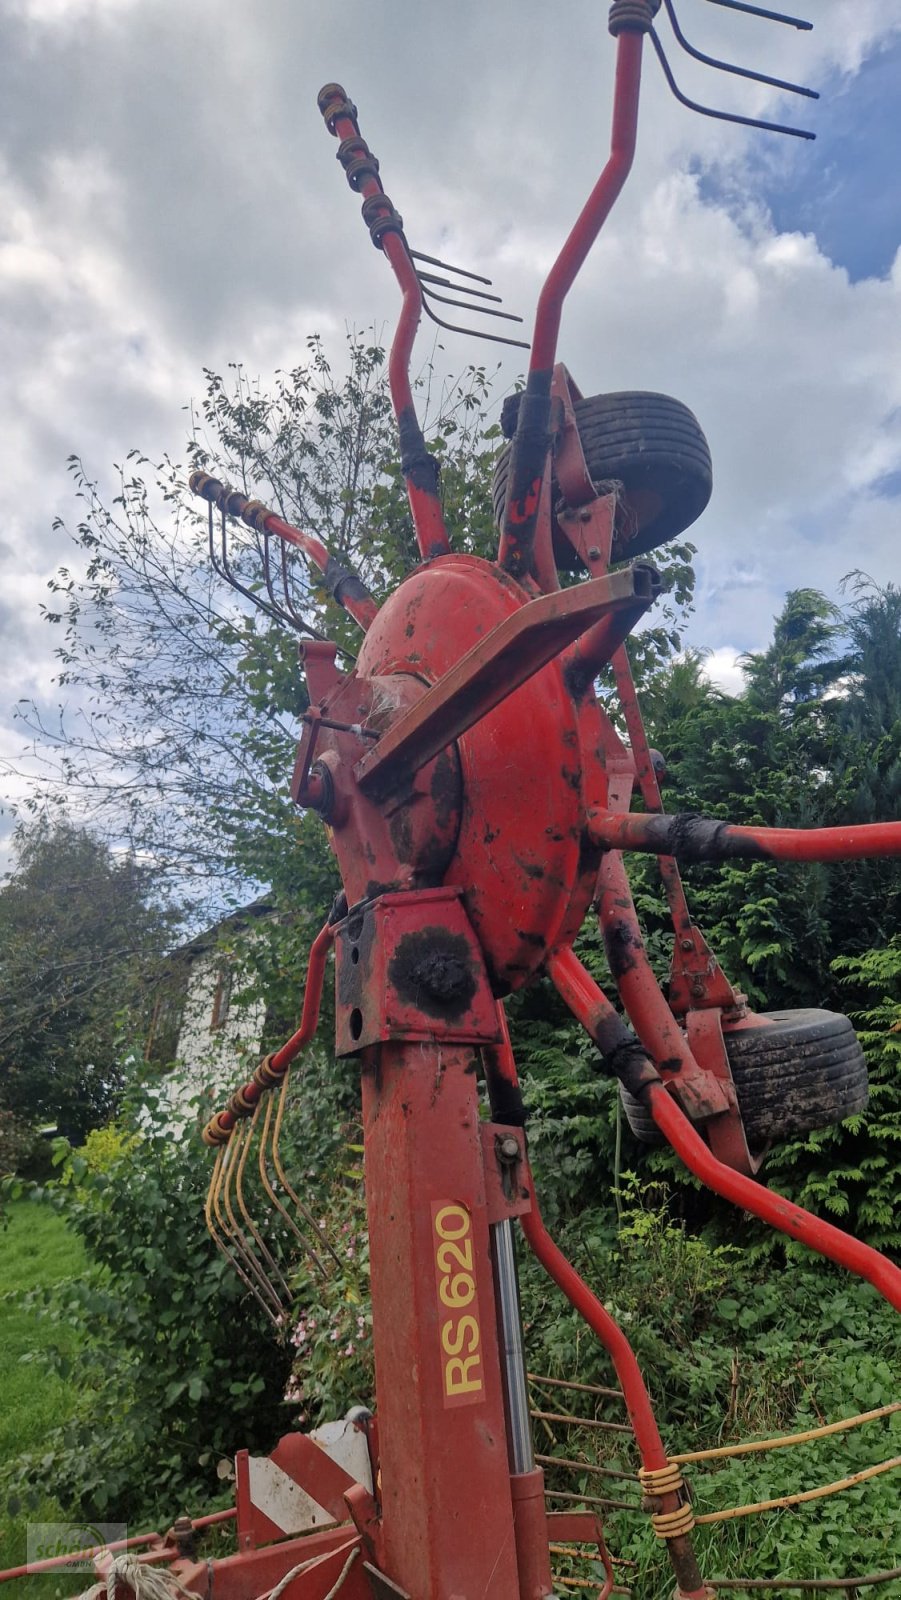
{"points": [[165, 1024], [221, 998]]}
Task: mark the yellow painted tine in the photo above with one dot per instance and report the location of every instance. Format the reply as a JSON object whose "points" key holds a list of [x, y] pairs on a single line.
{"points": [[211, 1209], [245, 1213], [232, 1227], [267, 1185], [276, 1161]]}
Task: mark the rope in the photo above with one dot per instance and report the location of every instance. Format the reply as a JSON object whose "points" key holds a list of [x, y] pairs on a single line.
{"points": [[145, 1583], [786, 1439], [799, 1499], [289, 1577]]}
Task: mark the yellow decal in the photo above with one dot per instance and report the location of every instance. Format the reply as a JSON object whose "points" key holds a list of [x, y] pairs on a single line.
{"points": [[458, 1305]]}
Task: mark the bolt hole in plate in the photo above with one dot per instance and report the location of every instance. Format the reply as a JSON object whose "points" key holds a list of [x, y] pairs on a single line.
{"points": [[522, 858], [355, 954], [356, 1023]]}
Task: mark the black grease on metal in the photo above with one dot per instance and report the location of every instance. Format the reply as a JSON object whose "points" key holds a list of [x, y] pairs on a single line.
{"points": [[339, 909], [446, 790], [691, 837], [578, 676], [622, 1056], [504, 1097], [633, 1067], [589, 855], [432, 969], [528, 458], [343, 583], [417, 466], [621, 943]]}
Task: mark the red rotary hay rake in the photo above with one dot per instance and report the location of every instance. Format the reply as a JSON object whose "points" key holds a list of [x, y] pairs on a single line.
{"points": [[477, 798]]}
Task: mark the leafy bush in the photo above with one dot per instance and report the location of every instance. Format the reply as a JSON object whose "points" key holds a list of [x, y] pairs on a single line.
{"points": [[853, 1171], [731, 1350], [18, 1141], [175, 1366]]}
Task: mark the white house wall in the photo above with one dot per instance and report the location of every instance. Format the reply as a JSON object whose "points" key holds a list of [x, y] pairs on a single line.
{"points": [[212, 1061]]}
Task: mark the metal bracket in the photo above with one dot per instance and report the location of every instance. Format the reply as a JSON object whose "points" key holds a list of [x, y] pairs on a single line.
{"points": [[725, 1132], [506, 1192], [409, 966]]}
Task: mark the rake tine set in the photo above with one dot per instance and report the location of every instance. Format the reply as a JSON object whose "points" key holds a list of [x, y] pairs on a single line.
{"points": [[732, 68], [282, 609], [256, 1112], [463, 297], [230, 1203]]}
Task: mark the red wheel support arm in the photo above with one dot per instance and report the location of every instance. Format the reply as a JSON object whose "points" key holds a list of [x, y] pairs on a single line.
{"points": [[664, 1042], [531, 442], [689, 837], [772, 1208]]}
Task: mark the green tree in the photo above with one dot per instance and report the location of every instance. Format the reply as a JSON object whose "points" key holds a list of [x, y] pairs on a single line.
{"points": [[188, 698], [80, 939]]}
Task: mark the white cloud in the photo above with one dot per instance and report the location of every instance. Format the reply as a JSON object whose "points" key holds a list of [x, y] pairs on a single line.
{"points": [[169, 199], [721, 668]]}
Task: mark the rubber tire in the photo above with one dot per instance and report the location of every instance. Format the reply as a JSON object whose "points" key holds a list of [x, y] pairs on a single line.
{"points": [[653, 446], [806, 1071]]}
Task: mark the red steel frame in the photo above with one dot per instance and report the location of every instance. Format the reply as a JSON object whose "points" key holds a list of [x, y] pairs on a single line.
{"points": [[477, 801]]}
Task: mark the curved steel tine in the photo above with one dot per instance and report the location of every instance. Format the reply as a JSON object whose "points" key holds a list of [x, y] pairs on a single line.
{"points": [[214, 561], [211, 1209], [274, 611], [263, 1248], [286, 580], [304, 1210], [476, 333], [226, 572], [267, 572], [482, 311], [233, 1228], [720, 116], [728, 66], [461, 272], [283, 1211], [445, 283], [759, 11]]}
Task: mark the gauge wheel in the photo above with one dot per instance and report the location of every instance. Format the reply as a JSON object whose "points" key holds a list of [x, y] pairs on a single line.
{"points": [[805, 1070], [649, 444]]}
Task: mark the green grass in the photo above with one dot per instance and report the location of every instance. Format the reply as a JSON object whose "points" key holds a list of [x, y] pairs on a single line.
{"points": [[36, 1248]]}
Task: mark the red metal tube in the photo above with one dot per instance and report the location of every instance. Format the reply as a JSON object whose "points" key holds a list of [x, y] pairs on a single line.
{"points": [[53, 1563], [772, 1208], [577, 1292], [638, 1403], [694, 838], [219, 1128], [425, 506], [639, 990], [598, 206], [641, 1415], [212, 1518], [312, 999]]}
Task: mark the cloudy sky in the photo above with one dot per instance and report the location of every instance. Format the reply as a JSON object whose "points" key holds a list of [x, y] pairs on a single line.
{"points": [[170, 200]]}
